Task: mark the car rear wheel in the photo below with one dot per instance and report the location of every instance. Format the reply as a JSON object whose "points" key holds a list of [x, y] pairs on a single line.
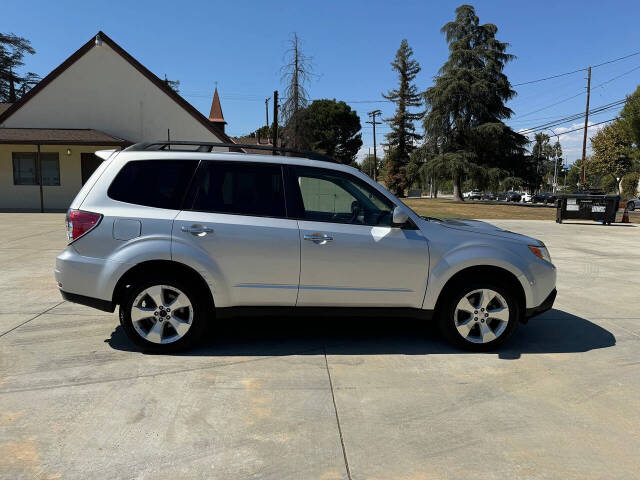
{"points": [[479, 316], [163, 314]]}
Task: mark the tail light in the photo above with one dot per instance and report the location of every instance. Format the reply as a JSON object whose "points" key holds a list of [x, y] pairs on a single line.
{"points": [[80, 222]]}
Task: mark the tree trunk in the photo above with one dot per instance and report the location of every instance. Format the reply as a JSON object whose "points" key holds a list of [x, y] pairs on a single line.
{"points": [[457, 189]]}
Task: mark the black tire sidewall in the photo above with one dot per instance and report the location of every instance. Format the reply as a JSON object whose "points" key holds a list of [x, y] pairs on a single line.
{"points": [[199, 314], [446, 315]]}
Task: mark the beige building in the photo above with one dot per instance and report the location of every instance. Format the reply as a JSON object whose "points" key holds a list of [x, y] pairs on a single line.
{"points": [[99, 98]]}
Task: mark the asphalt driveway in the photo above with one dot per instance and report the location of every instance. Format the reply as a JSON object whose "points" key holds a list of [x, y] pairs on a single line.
{"points": [[324, 399]]}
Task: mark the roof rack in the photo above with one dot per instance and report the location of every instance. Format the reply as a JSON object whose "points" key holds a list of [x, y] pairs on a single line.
{"points": [[209, 146]]}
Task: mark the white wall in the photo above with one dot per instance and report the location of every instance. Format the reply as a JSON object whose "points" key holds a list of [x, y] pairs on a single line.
{"points": [[101, 90], [56, 197]]}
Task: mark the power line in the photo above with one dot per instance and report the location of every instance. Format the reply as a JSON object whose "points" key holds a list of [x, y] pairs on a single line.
{"points": [[575, 116], [617, 77], [616, 59], [548, 78], [576, 71], [592, 125], [549, 106]]}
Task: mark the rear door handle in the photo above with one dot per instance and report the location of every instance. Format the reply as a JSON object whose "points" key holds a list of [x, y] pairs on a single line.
{"points": [[197, 230], [319, 238]]}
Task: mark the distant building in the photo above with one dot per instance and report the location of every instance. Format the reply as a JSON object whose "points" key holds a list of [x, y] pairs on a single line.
{"points": [[100, 97]]}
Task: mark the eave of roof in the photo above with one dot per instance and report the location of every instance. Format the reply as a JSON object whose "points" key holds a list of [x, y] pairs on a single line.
{"points": [[58, 136], [137, 65]]}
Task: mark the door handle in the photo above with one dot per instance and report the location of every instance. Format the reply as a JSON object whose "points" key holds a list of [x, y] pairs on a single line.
{"points": [[197, 230], [319, 238]]}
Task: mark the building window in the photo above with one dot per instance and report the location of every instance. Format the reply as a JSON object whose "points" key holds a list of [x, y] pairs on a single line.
{"points": [[50, 168], [25, 171]]}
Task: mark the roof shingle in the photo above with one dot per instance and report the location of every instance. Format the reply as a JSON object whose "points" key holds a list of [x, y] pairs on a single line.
{"points": [[58, 136]]}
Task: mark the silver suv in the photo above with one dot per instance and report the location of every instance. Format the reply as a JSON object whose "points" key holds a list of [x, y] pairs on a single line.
{"points": [[179, 234]]}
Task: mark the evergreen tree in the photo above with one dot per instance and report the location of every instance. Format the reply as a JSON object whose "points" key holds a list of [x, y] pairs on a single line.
{"points": [[12, 52], [332, 128], [402, 137], [466, 105]]}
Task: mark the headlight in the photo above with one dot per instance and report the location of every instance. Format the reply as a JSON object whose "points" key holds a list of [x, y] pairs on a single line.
{"points": [[540, 252]]}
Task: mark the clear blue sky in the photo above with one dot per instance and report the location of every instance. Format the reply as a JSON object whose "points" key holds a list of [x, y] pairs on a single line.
{"points": [[241, 45]]}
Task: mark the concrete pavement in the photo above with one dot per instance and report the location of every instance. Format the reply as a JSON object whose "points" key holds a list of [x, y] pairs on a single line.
{"points": [[324, 399]]}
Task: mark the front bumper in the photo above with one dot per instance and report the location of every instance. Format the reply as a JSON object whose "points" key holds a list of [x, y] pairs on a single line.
{"points": [[543, 307]]}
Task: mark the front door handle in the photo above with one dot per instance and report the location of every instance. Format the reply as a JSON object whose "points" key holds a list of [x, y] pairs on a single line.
{"points": [[319, 238], [197, 230]]}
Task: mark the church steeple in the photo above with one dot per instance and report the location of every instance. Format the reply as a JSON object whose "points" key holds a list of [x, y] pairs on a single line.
{"points": [[215, 115]]}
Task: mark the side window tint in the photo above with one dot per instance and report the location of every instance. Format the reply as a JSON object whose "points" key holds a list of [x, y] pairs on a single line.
{"points": [[153, 183], [329, 196], [240, 188]]}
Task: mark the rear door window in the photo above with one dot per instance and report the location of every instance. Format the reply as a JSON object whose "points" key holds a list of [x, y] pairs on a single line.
{"points": [[153, 183], [239, 188]]}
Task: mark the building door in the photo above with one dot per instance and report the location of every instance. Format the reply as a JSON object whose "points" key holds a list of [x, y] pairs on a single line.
{"points": [[88, 164]]}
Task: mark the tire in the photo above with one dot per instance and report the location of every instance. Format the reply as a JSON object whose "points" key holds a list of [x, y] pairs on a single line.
{"points": [[451, 320], [631, 206], [158, 329]]}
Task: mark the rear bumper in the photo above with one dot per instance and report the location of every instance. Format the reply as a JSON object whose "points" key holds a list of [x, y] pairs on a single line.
{"points": [[97, 303], [543, 307]]}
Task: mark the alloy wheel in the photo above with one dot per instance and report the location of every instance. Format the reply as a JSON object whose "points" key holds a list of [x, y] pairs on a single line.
{"points": [[162, 314], [481, 316]]}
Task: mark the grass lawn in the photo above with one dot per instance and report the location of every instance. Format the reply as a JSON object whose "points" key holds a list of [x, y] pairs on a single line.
{"points": [[445, 208]]}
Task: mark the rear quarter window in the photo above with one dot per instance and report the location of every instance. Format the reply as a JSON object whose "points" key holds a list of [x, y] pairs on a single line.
{"points": [[153, 183]]}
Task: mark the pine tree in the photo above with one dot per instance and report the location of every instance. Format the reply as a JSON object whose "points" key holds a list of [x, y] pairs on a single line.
{"points": [[402, 137], [466, 105], [12, 52]]}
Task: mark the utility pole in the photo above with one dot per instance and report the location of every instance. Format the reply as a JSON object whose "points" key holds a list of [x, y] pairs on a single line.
{"points": [[373, 122], [266, 110], [275, 121], [586, 124]]}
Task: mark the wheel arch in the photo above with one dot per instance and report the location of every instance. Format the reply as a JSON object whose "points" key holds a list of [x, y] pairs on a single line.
{"points": [[501, 275], [165, 267]]}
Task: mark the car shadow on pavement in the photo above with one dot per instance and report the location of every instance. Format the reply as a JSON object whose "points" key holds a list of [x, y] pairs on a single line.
{"points": [[555, 331]]}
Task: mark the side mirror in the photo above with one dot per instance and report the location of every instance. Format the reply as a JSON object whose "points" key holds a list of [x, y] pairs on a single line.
{"points": [[399, 217]]}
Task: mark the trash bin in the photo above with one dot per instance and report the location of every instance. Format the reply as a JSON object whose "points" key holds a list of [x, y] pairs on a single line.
{"points": [[587, 206]]}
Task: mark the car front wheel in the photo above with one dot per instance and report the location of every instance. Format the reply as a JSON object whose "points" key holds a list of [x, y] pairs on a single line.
{"points": [[163, 314], [479, 316]]}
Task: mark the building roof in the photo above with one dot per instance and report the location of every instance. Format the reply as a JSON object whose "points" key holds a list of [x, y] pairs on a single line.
{"points": [[95, 40], [249, 140], [215, 115], [59, 136], [4, 106]]}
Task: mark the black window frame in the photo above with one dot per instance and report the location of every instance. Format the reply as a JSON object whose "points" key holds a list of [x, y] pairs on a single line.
{"points": [[180, 197], [297, 203], [190, 197], [57, 161], [37, 175]]}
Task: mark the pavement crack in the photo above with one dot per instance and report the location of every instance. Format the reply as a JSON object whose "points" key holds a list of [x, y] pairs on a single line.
{"points": [[335, 409], [32, 318]]}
